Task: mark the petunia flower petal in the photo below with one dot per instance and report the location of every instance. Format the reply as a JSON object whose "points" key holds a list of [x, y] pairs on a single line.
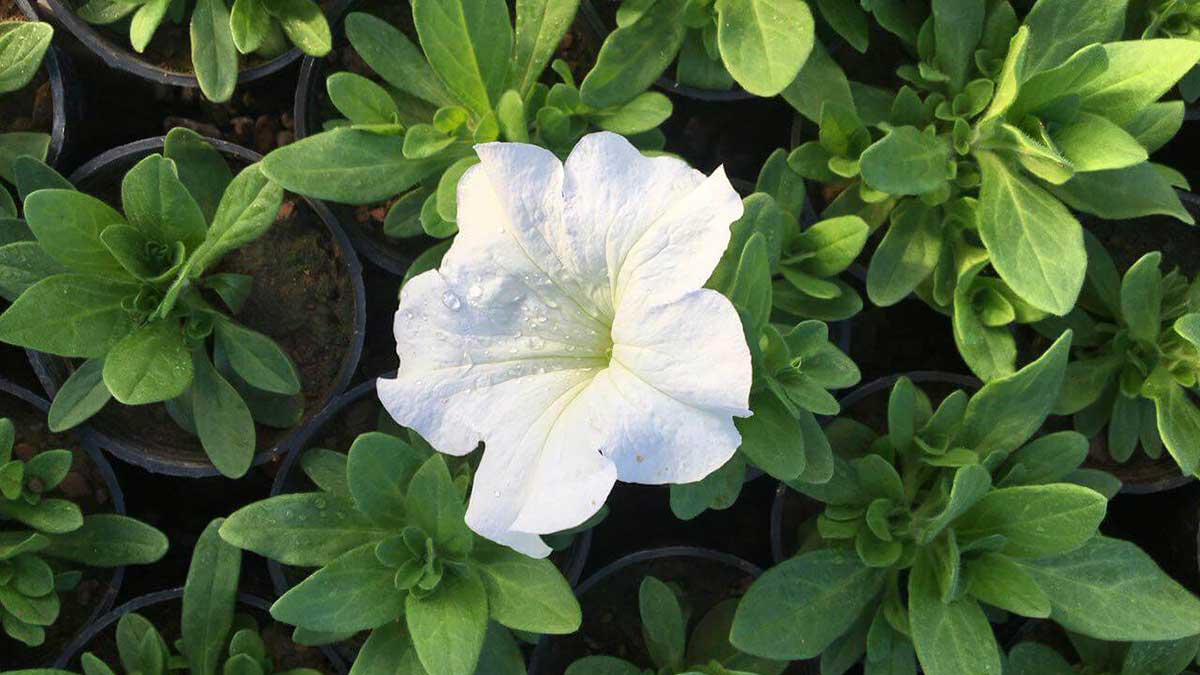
{"points": [[566, 330]]}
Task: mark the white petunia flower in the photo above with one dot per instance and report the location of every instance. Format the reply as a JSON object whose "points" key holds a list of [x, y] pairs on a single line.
{"points": [[568, 330]]}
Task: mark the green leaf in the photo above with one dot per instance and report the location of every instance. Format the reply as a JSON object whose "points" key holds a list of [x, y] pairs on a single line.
{"points": [[949, 638], [1139, 72], [257, 359], [395, 58], [663, 624], [971, 483], [1141, 298], [448, 627], [247, 210], [1050, 458], [387, 650], [541, 25], [602, 665], [1093, 143], [378, 470], [33, 174], [250, 24], [1090, 588], [469, 45], [1178, 419], [524, 593], [447, 189], [308, 529], [209, 597], [1035, 520], [223, 421], [820, 80], [157, 203], [957, 27], [75, 315], [304, 23], [990, 351], [15, 144], [764, 43], [849, 20], [361, 101], [1155, 126], [1120, 194], [1000, 582], [907, 255], [1006, 412], [348, 166], [354, 592], [200, 166], [645, 112], [22, 47], [214, 56], [145, 23], [786, 187], [770, 438], [1059, 28], [68, 224], [633, 56], [833, 244], [49, 516], [906, 162], [797, 608], [23, 264], [109, 540], [1035, 243], [149, 365], [435, 505]]}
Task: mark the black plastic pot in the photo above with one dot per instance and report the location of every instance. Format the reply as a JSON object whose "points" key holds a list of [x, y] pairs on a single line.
{"points": [[546, 660], [117, 500], [246, 601], [810, 507], [119, 55], [598, 29], [52, 371], [63, 93], [291, 479]]}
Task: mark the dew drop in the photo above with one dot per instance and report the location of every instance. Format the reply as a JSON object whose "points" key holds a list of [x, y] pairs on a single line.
{"points": [[474, 291], [451, 301]]}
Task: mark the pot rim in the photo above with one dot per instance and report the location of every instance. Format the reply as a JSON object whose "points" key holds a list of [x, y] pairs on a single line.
{"points": [[135, 453]]}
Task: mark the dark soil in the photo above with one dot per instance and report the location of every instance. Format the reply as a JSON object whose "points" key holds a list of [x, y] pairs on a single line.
{"points": [[1128, 240], [907, 336], [165, 616], [86, 487]]}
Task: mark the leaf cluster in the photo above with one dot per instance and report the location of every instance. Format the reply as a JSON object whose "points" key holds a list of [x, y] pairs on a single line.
{"points": [[665, 615], [955, 516], [395, 557], [1004, 126], [214, 637], [1137, 358], [474, 78], [42, 537], [759, 44], [218, 32], [130, 294]]}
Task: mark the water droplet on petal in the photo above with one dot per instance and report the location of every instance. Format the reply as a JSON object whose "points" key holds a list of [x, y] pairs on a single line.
{"points": [[474, 291], [451, 301]]}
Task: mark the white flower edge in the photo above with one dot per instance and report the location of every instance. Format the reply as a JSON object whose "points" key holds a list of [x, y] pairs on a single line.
{"points": [[569, 331]]}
